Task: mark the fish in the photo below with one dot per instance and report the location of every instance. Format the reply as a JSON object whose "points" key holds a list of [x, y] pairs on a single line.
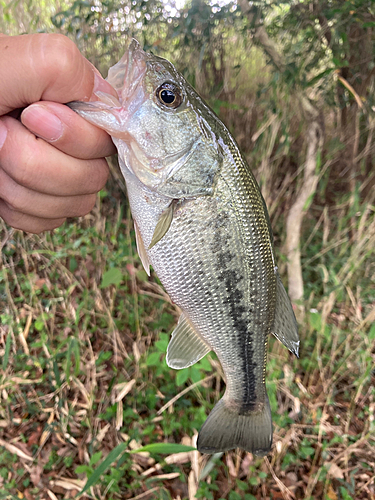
{"points": [[201, 222]]}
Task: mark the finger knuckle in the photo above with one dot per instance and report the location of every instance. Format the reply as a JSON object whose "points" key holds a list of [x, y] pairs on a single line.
{"points": [[88, 204], [58, 54], [10, 216], [82, 206], [94, 176], [11, 195], [103, 172], [26, 172]]}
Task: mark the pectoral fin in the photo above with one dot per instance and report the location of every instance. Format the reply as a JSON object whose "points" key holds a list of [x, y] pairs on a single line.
{"points": [[163, 224], [141, 250], [186, 346], [285, 326]]}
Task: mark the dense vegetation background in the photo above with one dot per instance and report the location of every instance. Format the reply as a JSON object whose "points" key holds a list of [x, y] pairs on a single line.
{"points": [[83, 333]]}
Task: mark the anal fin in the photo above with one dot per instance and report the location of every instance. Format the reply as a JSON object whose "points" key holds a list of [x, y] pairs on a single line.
{"points": [[186, 346], [141, 249], [285, 326]]}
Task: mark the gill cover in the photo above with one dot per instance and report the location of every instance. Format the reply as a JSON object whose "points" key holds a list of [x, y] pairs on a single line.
{"points": [[157, 131]]}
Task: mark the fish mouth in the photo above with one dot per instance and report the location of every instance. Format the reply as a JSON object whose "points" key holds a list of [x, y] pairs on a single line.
{"points": [[127, 74]]}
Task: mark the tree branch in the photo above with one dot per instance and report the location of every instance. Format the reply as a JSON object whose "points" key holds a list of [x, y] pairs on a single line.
{"points": [[261, 35], [314, 137], [297, 211]]}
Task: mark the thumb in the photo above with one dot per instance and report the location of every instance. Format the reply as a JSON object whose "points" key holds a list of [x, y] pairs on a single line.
{"points": [[45, 67]]}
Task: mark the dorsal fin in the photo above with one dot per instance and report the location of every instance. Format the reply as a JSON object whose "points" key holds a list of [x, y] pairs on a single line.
{"points": [[141, 249], [186, 346], [285, 327]]}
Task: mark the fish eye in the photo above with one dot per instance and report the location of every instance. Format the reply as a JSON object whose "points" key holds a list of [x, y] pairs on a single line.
{"points": [[169, 95]]}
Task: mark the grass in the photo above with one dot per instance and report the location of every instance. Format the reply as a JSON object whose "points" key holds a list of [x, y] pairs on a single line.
{"points": [[84, 383]]}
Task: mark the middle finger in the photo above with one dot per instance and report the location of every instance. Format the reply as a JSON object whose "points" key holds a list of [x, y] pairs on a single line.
{"points": [[39, 166]]}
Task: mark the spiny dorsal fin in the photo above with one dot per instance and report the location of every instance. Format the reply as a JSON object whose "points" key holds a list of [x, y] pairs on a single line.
{"points": [[162, 225], [285, 326], [186, 346], [141, 250]]}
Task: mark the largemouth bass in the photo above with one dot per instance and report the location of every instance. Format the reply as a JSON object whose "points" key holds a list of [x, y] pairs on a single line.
{"points": [[201, 222]]}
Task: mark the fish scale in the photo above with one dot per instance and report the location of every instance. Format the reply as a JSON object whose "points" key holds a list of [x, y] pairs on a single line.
{"points": [[202, 224], [207, 275]]}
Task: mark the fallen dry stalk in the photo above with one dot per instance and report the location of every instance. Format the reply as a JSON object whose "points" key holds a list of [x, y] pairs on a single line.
{"points": [[180, 394]]}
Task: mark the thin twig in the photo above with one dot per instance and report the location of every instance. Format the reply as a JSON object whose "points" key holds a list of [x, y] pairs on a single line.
{"points": [[180, 394], [286, 493]]}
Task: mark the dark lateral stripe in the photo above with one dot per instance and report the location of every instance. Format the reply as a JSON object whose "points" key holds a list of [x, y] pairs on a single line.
{"points": [[231, 281]]}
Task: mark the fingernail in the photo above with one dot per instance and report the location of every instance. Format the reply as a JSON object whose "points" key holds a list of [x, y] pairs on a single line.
{"points": [[42, 122], [3, 134], [102, 85]]}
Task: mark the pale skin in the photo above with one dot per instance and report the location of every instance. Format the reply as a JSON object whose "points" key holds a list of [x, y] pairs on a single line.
{"points": [[51, 160]]}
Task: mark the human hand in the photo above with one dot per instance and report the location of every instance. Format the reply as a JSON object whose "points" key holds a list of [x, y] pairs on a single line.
{"points": [[52, 162]]}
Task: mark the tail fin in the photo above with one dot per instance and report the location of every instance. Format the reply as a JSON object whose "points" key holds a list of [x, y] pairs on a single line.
{"points": [[225, 428]]}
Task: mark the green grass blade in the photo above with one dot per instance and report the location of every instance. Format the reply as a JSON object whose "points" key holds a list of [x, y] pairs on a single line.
{"points": [[210, 465], [166, 448], [7, 351], [110, 458], [69, 360]]}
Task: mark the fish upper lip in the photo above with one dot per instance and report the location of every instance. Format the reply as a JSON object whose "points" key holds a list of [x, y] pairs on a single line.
{"points": [[126, 75]]}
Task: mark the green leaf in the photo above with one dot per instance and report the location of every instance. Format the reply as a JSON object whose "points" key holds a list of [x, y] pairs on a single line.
{"points": [[83, 469], [307, 451], [162, 345], [72, 264], [153, 359], [113, 276], [39, 325], [166, 448], [315, 320], [110, 458], [195, 374], [204, 364], [182, 376], [95, 458], [242, 485], [345, 494]]}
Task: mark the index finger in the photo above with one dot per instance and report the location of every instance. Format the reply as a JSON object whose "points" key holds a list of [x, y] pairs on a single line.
{"points": [[44, 67]]}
